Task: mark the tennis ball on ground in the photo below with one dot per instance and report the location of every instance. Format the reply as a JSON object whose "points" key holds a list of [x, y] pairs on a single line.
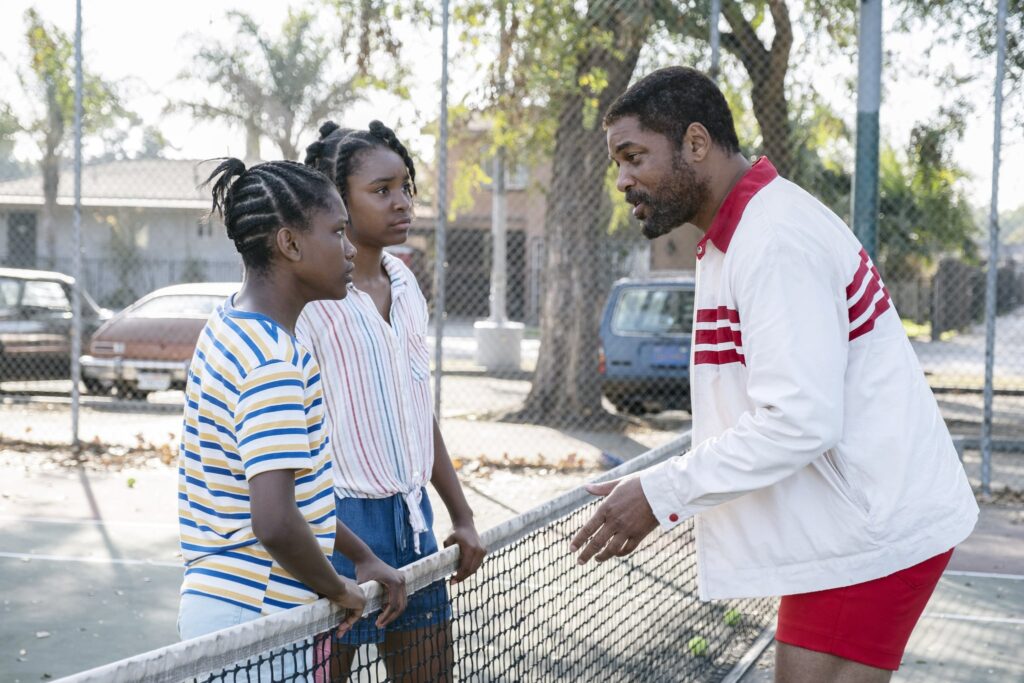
{"points": [[698, 646], [732, 618]]}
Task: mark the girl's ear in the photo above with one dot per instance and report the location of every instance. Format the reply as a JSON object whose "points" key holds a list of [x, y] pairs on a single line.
{"points": [[288, 244]]}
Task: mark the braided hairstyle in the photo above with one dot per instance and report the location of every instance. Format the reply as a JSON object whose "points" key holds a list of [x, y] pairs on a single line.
{"points": [[336, 154], [255, 203]]}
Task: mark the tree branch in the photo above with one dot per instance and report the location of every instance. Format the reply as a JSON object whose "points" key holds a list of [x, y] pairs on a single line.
{"points": [[783, 41], [750, 46]]}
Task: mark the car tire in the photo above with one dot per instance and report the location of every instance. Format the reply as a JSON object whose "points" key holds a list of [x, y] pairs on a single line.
{"points": [[629, 407], [94, 386], [130, 392]]}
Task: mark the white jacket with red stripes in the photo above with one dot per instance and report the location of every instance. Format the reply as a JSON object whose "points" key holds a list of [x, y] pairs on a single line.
{"points": [[820, 459]]}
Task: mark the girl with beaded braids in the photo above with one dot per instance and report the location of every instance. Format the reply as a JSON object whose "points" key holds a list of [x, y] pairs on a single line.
{"points": [[257, 519], [374, 358]]}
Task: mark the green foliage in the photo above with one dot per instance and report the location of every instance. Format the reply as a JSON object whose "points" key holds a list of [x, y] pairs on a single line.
{"points": [[973, 24], [51, 77], [368, 38], [10, 167], [276, 86], [123, 251], [923, 213], [1011, 225], [469, 176]]}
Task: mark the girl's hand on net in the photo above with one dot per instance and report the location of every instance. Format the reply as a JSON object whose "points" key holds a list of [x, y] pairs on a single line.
{"points": [[471, 550], [353, 601], [374, 569]]}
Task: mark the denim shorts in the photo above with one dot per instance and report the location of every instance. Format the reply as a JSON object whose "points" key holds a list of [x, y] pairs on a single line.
{"points": [[383, 525]]}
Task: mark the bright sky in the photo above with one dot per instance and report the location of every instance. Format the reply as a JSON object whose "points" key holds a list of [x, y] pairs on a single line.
{"points": [[143, 42]]}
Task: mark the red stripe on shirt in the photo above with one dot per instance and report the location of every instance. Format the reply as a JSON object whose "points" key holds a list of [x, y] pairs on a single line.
{"points": [[874, 286], [858, 277], [718, 357], [868, 297], [711, 315], [881, 307], [718, 335]]}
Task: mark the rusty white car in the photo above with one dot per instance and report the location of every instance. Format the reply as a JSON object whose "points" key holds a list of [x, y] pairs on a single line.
{"points": [[148, 346]]}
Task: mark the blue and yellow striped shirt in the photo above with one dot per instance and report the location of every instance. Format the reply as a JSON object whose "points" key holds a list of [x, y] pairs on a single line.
{"points": [[253, 404]]}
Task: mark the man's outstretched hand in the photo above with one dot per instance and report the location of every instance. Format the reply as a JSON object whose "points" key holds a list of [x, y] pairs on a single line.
{"points": [[619, 523]]}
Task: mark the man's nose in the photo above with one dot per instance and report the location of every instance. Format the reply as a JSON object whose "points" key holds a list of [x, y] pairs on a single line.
{"points": [[624, 181]]}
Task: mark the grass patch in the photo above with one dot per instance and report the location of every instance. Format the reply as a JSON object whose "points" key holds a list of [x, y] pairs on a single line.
{"points": [[923, 331]]}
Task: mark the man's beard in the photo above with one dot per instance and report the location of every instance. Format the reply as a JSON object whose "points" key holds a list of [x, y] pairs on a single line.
{"points": [[674, 201]]}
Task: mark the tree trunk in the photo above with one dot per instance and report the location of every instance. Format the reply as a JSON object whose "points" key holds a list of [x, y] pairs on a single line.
{"points": [[577, 275], [50, 166], [252, 143], [771, 110], [767, 68]]}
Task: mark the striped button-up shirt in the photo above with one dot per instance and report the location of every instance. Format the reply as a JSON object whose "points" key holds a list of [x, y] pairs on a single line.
{"points": [[376, 383]]}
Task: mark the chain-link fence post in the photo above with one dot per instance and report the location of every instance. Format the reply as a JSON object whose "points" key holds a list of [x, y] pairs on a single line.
{"points": [[442, 216], [869, 88], [993, 256], [715, 37], [76, 241]]}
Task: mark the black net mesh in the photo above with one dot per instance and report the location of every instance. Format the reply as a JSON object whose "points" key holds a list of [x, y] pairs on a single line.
{"points": [[529, 614], [532, 614]]}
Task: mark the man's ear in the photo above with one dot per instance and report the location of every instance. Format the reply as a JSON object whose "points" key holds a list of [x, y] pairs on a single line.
{"points": [[288, 245], [696, 143]]}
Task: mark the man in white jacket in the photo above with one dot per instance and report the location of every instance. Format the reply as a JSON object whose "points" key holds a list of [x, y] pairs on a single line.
{"points": [[822, 470]]}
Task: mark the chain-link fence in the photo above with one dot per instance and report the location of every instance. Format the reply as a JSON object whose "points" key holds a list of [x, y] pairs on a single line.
{"points": [[566, 335]]}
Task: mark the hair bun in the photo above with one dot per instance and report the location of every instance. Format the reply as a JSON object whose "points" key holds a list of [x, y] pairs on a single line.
{"points": [[227, 170], [379, 130], [313, 153], [328, 128]]}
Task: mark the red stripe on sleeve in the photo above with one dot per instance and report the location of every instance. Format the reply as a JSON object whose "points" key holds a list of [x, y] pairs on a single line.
{"points": [[712, 315], [718, 357], [718, 335], [858, 277], [881, 307]]}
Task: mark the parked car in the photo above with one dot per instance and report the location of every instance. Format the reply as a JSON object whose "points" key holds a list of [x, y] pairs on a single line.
{"points": [[35, 324], [147, 347], [644, 358]]}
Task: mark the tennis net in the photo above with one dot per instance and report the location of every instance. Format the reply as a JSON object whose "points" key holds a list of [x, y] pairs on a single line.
{"points": [[529, 614]]}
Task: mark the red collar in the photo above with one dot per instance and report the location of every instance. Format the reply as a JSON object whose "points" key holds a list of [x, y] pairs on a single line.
{"points": [[728, 217]]}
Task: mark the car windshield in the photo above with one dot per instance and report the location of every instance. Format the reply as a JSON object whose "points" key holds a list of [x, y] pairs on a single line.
{"points": [[178, 306], [654, 311]]}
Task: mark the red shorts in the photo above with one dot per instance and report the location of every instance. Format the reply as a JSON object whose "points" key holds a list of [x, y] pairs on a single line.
{"points": [[868, 622]]}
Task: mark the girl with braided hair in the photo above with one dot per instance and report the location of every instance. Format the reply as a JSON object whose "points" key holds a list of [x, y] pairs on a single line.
{"points": [[374, 358], [257, 519]]}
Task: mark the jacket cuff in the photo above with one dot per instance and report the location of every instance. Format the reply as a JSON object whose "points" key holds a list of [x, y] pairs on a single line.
{"points": [[657, 484]]}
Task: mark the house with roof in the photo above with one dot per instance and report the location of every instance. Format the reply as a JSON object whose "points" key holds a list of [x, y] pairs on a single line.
{"points": [[145, 225]]}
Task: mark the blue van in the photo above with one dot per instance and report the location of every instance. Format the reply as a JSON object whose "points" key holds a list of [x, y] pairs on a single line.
{"points": [[644, 357]]}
